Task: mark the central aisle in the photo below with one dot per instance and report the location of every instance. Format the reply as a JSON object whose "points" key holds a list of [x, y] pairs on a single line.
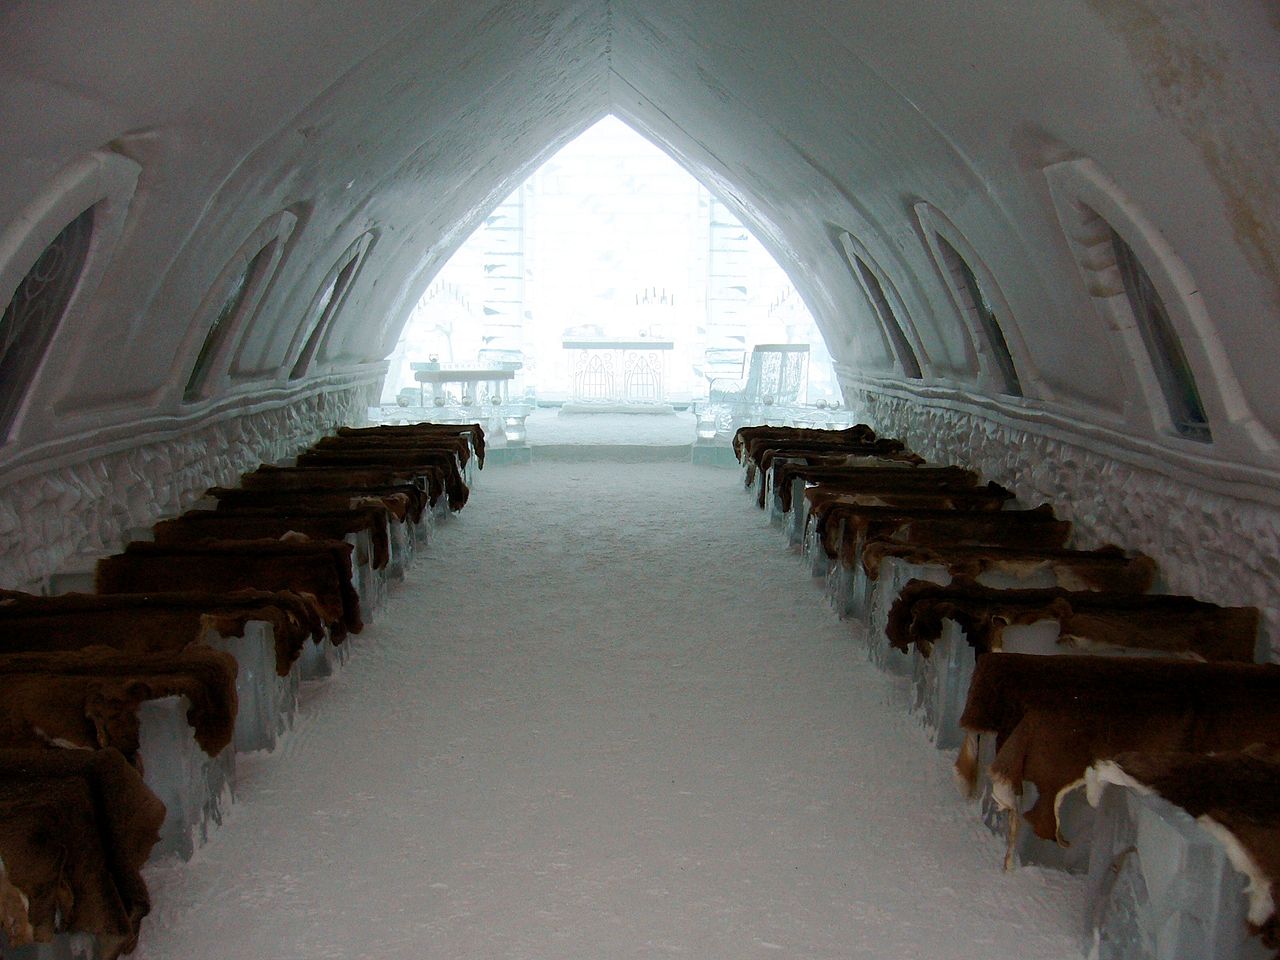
{"points": [[607, 716]]}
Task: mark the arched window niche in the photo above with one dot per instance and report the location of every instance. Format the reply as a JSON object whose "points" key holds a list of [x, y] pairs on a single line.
{"points": [[1001, 356], [1146, 293], [52, 258], [886, 305], [326, 305], [232, 303]]}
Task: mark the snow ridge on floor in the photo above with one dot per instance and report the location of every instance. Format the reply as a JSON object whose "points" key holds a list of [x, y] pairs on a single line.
{"points": [[607, 716]]}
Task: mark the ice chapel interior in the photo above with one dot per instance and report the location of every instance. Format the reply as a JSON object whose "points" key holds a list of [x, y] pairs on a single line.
{"points": [[1040, 242]]}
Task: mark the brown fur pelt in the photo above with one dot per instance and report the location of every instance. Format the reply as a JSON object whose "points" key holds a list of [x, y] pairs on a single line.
{"points": [[831, 504], [458, 445], [473, 430], [1107, 568], [319, 570], [858, 433], [1055, 716], [878, 449], [424, 462], [760, 453], [405, 501], [784, 467], [89, 698], [345, 477], [142, 623], [199, 525], [856, 471], [1172, 625], [986, 524], [76, 826]]}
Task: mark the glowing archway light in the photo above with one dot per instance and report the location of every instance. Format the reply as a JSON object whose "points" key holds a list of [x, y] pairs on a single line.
{"points": [[610, 237]]}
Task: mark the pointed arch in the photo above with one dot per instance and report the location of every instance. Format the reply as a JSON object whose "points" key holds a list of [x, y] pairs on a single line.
{"points": [[233, 302], [51, 260], [999, 351], [326, 305], [1145, 292], [886, 304]]}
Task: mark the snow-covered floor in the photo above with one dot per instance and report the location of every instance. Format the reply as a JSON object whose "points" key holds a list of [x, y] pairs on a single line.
{"points": [[607, 716], [547, 425]]}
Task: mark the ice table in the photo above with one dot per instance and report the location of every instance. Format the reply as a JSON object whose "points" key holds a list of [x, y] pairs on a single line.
{"points": [[468, 381]]}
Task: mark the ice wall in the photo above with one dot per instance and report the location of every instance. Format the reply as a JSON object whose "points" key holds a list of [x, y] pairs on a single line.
{"points": [[71, 512]]}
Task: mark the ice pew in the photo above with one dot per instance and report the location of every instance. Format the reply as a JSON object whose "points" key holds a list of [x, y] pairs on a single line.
{"points": [[846, 586], [170, 713], [885, 567], [1185, 857], [76, 826], [943, 629], [1034, 724], [431, 476], [366, 528], [405, 502], [319, 569], [459, 444], [779, 464], [431, 464], [265, 632], [762, 453], [743, 437], [474, 433], [803, 486], [365, 480], [790, 477], [842, 530]]}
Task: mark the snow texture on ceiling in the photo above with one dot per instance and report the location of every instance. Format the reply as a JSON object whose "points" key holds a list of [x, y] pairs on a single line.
{"points": [[395, 125]]}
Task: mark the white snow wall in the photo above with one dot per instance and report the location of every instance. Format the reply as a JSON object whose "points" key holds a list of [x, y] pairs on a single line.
{"points": [[55, 513]]}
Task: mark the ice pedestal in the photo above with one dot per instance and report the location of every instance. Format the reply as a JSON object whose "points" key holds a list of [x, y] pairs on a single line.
{"points": [[266, 702], [80, 576], [889, 659], [320, 660], [424, 528], [814, 557], [799, 515], [442, 510], [194, 787], [1075, 817], [65, 946], [940, 685], [883, 591], [850, 591], [773, 497], [1160, 887], [402, 538], [370, 583]]}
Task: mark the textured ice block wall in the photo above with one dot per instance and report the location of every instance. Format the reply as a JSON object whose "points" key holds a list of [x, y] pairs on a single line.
{"points": [[49, 519]]}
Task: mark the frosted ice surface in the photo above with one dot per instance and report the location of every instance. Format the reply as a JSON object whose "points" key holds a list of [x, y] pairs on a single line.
{"points": [[548, 425], [606, 716]]}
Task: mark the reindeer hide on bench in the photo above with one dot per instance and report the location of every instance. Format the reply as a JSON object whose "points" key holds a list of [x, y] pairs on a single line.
{"points": [[76, 826]]}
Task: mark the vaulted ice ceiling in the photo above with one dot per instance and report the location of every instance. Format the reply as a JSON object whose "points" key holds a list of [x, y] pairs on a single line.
{"points": [[368, 139]]}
